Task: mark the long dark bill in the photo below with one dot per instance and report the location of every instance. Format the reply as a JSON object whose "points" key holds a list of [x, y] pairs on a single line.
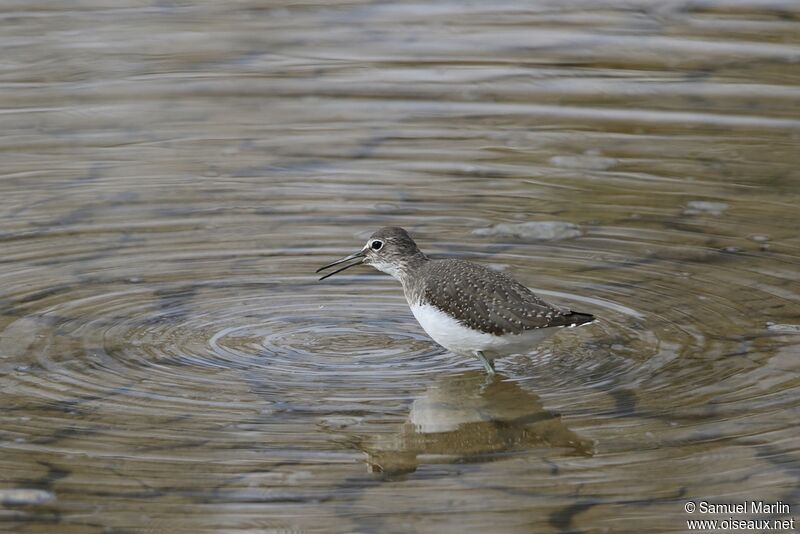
{"points": [[358, 255]]}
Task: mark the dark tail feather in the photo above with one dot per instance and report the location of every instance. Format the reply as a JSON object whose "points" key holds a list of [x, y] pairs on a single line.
{"points": [[578, 319]]}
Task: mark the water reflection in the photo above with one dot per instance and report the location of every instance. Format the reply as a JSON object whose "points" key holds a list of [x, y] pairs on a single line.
{"points": [[471, 418]]}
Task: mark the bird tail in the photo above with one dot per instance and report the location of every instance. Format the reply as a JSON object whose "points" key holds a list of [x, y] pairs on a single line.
{"points": [[578, 318]]}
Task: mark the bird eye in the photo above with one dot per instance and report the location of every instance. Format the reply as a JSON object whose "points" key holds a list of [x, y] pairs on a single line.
{"points": [[376, 245]]}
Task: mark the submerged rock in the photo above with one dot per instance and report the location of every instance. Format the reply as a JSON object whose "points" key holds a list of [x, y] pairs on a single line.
{"points": [[23, 496], [587, 162], [533, 231], [784, 328], [704, 207]]}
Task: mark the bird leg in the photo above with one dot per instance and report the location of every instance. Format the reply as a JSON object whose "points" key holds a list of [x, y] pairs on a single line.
{"points": [[487, 363]]}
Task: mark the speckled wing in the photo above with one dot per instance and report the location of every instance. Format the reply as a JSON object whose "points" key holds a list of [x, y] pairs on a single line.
{"points": [[489, 301]]}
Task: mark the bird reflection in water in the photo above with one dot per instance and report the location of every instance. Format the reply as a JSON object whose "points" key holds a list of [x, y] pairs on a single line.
{"points": [[471, 418]]}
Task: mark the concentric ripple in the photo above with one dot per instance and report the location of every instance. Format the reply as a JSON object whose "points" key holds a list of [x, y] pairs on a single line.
{"points": [[198, 334], [349, 343]]}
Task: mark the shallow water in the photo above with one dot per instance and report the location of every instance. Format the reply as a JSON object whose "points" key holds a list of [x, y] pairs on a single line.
{"points": [[174, 172]]}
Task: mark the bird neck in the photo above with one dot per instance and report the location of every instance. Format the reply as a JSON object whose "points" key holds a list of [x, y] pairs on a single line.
{"points": [[404, 268]]}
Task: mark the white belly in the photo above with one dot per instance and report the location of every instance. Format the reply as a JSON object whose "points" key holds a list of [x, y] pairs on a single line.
{"points": [[457, 338]]}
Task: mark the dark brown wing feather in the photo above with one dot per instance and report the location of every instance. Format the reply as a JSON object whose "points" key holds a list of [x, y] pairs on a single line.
{"points": [[488, 301]]}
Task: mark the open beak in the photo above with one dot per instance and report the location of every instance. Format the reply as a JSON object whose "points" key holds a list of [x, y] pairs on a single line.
{"points": [[359, 256]]}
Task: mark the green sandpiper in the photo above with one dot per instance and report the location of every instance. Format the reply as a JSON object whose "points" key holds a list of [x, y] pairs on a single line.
{"points": [[465, 307]]}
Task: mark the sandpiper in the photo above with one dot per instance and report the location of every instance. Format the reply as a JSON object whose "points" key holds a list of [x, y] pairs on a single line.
{"points": [[465, 307]]}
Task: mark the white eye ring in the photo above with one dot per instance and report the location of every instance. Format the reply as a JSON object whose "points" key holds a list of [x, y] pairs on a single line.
{"points": [[376, 245]]}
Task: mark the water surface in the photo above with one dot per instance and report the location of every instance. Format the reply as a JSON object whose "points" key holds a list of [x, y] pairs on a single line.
{"points": [[174, 172]]}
